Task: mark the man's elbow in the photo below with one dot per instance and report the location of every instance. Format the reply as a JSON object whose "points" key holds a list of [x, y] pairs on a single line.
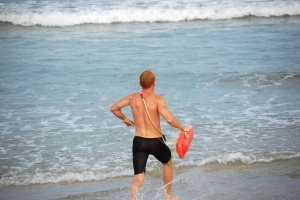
{"points": [[170, 121], [113, 108]]}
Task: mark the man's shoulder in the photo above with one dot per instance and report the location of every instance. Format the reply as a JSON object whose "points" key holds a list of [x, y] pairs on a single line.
{"points": [[132, 95], [135, 95], [158, 97]]}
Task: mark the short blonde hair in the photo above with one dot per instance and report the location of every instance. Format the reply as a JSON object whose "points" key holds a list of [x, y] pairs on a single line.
{"points": [[147, 78]]}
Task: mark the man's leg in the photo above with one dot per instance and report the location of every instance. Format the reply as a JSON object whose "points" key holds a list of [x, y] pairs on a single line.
{"points": [[168, 178], [136, 184]]}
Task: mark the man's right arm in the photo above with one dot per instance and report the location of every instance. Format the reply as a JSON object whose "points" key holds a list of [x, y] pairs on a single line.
{"points": [[116, 109], [167, 115]]}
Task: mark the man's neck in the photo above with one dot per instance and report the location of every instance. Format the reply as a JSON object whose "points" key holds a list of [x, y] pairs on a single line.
{"points": [[148, 91]]}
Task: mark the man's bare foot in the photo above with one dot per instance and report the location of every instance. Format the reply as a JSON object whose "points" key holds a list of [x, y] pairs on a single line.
{"points": [[172, 197]]}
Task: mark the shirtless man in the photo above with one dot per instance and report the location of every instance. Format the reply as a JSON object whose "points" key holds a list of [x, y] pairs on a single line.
{"points": [[148, 140]]}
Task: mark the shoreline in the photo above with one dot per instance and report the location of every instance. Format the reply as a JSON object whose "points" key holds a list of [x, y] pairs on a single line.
{"points": [[276, 180]]}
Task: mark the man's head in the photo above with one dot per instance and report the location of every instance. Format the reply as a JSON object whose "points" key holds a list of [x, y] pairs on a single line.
{"points": [[147, 79]]}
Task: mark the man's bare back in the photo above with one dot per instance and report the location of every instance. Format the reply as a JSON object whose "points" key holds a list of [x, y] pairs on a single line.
{"points": [[156, 106]]}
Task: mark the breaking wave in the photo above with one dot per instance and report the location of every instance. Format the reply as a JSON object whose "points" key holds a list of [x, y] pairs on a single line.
{"points": [[46, 16]]}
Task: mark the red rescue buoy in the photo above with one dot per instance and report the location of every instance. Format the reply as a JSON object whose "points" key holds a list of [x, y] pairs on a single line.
{"points": [[183, 142]]}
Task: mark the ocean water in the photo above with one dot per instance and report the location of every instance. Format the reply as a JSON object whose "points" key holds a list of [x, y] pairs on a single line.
{"points": [[231, 69]]}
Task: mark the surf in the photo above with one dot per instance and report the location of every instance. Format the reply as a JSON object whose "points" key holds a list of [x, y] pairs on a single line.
{"points": [[49, 15]]}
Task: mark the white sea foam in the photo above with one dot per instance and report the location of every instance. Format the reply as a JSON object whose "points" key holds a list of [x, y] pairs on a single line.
{"points": [[120, 171], [238, 157], [69, 177], [57, 16]]}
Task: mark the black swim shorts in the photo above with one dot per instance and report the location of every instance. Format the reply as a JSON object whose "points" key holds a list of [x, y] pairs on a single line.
{"points": [[141, 149]]}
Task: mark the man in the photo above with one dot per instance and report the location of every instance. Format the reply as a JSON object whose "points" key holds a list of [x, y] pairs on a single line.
{"points": [[148, 137]]}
